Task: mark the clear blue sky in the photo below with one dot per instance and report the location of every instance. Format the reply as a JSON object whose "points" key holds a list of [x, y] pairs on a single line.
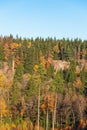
{"points": [[53, 18]]}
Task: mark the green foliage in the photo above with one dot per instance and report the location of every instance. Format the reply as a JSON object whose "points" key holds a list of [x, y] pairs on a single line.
{"points": [[32, 87], [28, 61], [71, 73], [19, 73], [2, 55], [42, 72], [50, 72], [84, 76], [35, 74], [58, 82], [15, 93], [84, 82]]}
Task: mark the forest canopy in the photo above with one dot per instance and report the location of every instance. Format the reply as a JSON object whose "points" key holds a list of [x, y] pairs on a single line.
{"points": [[43, 83]]}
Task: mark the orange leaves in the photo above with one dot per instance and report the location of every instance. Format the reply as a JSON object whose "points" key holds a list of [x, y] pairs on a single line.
{"points": [[48, 102], [17, 61], [10, 49], [82, 124], [36, 127], [14, 46], [6, 51], [78, 82]]}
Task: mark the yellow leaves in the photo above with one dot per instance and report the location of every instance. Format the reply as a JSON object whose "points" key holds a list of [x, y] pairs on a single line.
{"points": [[42, 60], [3, 108], [2, 127], [13, 125], [29, 44], [55, 49], [13, 48], [7, 127], [24, 125], [35, 67], [14, 45], [6, 81], [3, 80]]}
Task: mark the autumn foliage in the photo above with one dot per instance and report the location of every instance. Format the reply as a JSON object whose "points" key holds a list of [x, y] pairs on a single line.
{"points": [[43, 84]]}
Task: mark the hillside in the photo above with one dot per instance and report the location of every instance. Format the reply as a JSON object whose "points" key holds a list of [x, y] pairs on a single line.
{"points": [[43, 84]]}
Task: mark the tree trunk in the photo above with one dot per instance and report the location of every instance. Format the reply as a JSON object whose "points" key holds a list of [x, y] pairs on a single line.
{"points": [[54, 113], [78, 52], [39, 109], [13, 65], [1, 117], [47, 120], [73, 118], [53, 121], [1, 111], [1, 105]]}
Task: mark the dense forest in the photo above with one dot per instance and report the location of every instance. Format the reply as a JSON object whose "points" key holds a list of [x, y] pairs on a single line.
{"points": [[43, 84]]}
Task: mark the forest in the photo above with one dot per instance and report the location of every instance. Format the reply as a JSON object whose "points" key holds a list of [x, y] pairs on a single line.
{"points": [[43, 83]]}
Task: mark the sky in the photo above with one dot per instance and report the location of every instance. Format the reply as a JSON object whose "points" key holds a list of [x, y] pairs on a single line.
{"points": [[44, 18]]}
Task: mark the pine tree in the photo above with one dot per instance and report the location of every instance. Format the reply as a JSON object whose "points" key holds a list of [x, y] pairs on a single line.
{"points": [[19, 73], [2, 56]]}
